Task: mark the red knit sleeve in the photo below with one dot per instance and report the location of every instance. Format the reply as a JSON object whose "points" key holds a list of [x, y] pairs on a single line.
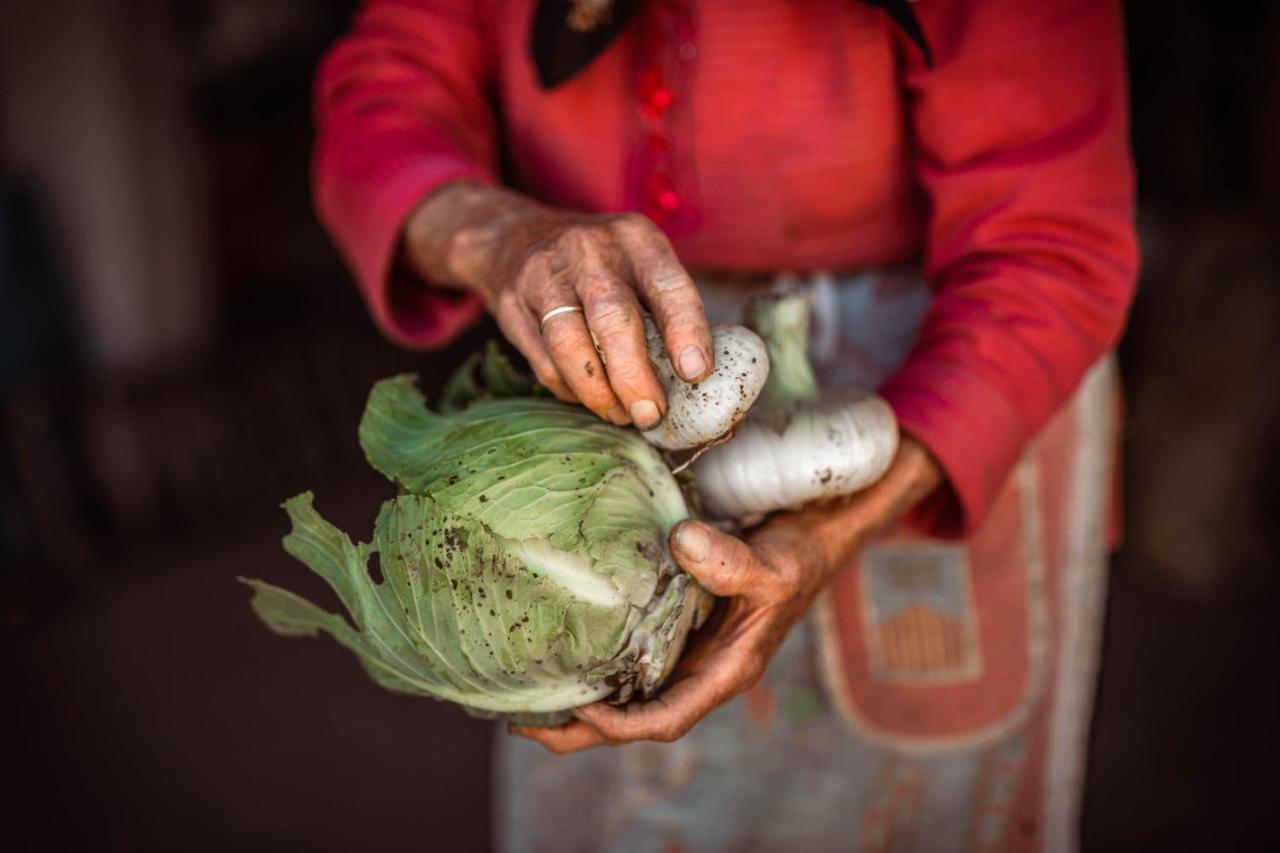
{"points": [[401, 107], [1021, 134]]}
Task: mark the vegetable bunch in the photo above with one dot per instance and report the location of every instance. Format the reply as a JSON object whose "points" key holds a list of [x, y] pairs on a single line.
{"points": [[523, 568], [799, 444]]}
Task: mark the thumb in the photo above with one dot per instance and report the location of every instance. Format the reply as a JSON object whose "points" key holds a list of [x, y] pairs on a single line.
{"points": [[723, 564]]}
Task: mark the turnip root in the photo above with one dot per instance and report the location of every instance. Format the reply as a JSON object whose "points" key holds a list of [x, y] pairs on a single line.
{"points": [[700, 413], [799, 444]]}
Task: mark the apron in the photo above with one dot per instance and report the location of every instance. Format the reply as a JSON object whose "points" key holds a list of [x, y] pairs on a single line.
{"points": [[937, 698]]}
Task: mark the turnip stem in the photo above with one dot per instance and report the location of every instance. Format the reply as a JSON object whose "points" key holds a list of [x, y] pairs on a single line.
{"points": [[783, 322]]}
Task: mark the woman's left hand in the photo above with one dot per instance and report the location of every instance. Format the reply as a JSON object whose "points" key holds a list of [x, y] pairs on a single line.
{"points": [[769, 581]]}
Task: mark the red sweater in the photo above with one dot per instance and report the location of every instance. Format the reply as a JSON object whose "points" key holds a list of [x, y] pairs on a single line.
{"points": [[765, 134]]}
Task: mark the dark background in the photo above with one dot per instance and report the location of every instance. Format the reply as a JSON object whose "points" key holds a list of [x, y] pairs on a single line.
{"points": [[180, 349]]}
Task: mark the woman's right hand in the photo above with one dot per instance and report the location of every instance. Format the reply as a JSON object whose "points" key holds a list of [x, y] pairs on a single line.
{"points": [[525, 259]]}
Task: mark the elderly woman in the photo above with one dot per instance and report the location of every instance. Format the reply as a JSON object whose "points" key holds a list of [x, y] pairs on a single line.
{"points": [[951, 181]]}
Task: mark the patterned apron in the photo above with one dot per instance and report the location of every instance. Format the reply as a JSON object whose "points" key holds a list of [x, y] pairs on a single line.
{"points": [[936, 699]]}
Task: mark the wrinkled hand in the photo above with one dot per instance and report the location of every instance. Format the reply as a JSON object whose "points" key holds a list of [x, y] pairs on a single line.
{"points": [[768, 582], [525, 259]]}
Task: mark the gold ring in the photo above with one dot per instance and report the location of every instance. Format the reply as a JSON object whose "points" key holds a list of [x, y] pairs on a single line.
{"points": [[556, 312]]}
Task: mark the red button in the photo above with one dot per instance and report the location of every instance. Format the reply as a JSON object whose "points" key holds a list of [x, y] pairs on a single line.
{"points": [[655, 97], [668, 200], [657, 103], [660, 194]]}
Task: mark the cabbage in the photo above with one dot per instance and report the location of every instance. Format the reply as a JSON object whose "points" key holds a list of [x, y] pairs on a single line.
{"points": [[524, 567]]}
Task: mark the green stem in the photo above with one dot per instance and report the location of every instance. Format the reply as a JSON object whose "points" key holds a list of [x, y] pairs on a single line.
{"points": [[783, 322]]}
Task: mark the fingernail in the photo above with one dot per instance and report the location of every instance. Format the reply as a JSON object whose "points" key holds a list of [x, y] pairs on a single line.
{"points": [[618, 415], [645, 414], [692, 363], [693, 541]]}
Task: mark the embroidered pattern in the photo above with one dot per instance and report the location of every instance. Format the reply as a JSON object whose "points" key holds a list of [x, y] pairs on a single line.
{"points": [[896, 800], [919, 615]]}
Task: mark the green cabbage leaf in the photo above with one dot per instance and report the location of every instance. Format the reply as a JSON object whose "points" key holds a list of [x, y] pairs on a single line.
{"points": [[522, 571]]}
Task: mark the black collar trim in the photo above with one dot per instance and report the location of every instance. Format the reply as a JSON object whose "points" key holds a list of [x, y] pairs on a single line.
{"points": [[561, 51]]}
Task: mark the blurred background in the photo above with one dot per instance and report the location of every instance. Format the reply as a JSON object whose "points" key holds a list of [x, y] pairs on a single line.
{"points": [[181, 349]]}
